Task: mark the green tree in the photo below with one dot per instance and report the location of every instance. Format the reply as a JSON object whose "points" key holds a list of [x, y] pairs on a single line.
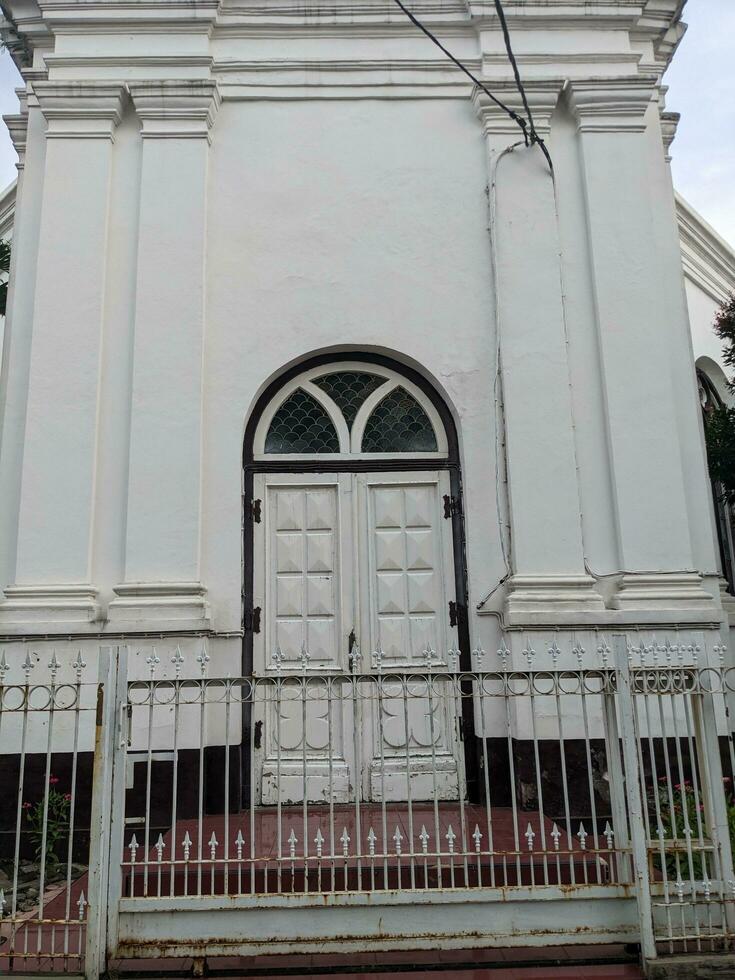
{"points": [[725, 330], [719, 422]]}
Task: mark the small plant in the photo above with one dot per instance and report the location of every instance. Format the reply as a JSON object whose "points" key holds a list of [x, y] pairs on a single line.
{"points": [[57, 823], [681, 813]]}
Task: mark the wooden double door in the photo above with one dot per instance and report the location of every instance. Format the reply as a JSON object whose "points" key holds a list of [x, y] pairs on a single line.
{"points": [[354, 577]]}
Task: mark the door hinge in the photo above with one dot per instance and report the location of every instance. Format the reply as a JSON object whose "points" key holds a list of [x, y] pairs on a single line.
{"points": [[452, 506], [255, 511], [251, 620], [452, 613]]}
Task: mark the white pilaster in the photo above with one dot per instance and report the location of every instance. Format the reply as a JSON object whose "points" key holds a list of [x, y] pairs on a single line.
{"points": [[16, 331], [546, 547], [164, 500], [53, 574], [634, 335]]}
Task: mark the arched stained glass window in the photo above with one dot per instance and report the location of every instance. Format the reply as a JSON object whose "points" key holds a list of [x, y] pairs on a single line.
{"points": [[399, 424], [349, 389], [301, 426]]}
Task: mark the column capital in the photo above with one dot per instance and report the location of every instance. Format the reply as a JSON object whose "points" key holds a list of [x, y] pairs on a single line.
{"points": [[542, 99], [176, 109], [610, 105], [80, 110]]}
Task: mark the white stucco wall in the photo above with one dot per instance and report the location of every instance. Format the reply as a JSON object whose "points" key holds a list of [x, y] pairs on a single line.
{"points": [[367, 234], [179, 245], [709, 276]]}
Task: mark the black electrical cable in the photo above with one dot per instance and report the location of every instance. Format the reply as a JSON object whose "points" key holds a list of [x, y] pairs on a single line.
{"points": [[535, 138], [501, 105], [530, 135], [514, 64]]}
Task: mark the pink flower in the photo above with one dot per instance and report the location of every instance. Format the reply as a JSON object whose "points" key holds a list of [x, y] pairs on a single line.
{"points": [[67, 796], [27, 806], [53, 780], [726, 780]]}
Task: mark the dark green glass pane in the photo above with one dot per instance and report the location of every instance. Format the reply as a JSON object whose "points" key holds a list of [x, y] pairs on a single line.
{"points": [[399, 425], [349, 389], [301, 426]]}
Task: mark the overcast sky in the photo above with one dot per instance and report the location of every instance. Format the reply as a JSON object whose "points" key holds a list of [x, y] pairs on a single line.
{"points": [[701, 87], [701, 84]]}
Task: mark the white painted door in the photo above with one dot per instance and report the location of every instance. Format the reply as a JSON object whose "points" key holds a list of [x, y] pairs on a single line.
{"points": [[303, 582], [367, 555], [411, 744]]}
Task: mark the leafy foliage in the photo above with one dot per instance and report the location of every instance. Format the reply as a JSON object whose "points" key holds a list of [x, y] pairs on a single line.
{"points": [[719, 433], [725, 330], [56, 812], [4, 273], [677, 813], [719, 422]]}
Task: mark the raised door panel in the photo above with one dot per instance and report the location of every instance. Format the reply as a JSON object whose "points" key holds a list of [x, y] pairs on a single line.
{"points": [[301, 554], [407, 578], [410, 726], [303, 575]]}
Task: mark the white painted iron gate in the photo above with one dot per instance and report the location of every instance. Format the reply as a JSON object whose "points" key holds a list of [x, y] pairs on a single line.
{"points": [[133, 823]]}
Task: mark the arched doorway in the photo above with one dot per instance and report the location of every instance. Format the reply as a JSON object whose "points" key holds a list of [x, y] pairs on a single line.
{"points": [[354, 564]]}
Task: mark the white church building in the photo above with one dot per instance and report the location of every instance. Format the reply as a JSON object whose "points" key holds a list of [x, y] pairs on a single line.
{"points": [[352, 478]]}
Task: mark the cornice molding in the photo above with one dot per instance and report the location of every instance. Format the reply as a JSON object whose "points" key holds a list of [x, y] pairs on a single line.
{"points": [[183, 109], [68, 16], [345, 65], [654, 24], [708, 260], [80, 110], [126, 62], [660, 25], [31, 75]]}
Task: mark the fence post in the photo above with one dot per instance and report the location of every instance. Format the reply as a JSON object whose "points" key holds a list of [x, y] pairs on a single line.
{"points": [[713, 794], [616, 781], [633, 782], [116, 826], [101, 844]]}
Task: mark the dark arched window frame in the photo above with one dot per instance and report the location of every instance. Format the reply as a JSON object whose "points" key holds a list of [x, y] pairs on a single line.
{"points": [[710, 401]]}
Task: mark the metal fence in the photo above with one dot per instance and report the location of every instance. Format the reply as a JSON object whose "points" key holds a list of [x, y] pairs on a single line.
{"points": [[47, 748], [299, 807], [686, 763], [489, 798]]}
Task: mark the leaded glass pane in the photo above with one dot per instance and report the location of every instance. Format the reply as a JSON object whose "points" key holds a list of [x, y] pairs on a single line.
{"points": [[349, 389], [301, 426], [399, 425]]}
